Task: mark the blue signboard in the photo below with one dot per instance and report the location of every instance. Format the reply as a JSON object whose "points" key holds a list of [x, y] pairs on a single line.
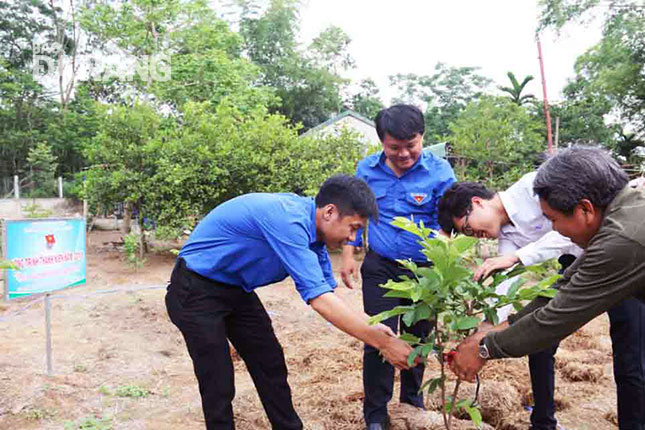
{"points": [[50, 255]]}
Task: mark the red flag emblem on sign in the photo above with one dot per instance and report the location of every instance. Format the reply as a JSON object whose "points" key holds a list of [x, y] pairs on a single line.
{"points": [[419, 197]]}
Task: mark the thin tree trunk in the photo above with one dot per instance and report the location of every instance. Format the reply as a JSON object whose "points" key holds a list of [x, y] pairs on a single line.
{"points": [[127, 218]]}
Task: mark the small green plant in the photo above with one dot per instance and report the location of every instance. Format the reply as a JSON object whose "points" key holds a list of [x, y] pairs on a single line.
{"points": [[132, 391], [80, 368], [446, 295], [37, 414], [104, 390], [132, 250], [35, 211], [90, 423], [165, 392]]}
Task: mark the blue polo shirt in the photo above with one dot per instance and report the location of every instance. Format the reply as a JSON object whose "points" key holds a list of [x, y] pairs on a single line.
{"points": [[416, 193], [258, 239]]}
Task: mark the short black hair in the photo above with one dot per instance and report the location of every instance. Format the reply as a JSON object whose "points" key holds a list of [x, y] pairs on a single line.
{"points": [[350, 195], [401, 121], [456, 202], [577, 173]]}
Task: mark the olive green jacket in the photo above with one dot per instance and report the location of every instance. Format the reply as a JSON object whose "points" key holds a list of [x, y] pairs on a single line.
{"points": [[611, 269]]}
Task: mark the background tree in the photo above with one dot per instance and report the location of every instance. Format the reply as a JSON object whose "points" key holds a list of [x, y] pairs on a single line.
{"points": [[612, 69], [442, 95], [516, 89], [309, 91], [366, 101], [495, 141], [42, 166]]}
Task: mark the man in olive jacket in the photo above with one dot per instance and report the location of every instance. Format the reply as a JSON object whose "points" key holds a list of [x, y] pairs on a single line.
{"points": [[585, 194]]}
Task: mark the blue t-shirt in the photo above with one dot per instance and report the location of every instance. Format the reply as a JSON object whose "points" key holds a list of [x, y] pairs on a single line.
{"points": [[258, 239], [416, 193]]}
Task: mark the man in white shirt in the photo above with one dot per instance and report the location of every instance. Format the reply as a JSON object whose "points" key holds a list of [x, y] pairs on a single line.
{"points": [[525, 235]]}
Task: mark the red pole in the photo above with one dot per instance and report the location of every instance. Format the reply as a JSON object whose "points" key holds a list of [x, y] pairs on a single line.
{"points": [[549, 138]]}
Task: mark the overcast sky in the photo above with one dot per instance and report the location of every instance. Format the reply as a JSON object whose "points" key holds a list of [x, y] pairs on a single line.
{"points": [[411, 36]]}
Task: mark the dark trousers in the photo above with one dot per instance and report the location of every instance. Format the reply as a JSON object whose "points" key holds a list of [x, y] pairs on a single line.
{"points": [[626, 321], [542, 371], [628, 344], [541, 368], [209, 314], [378, 375]]}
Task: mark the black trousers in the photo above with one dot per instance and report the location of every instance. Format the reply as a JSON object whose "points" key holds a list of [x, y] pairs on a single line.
{"points": [[378, 375], [209, 314], [627, 331]]}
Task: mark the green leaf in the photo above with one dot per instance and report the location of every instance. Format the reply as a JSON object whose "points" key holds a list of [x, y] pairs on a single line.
{"points": [[409, 338], [475, 415], [409, 317], [491, 316], [466, 323], [514, 288], [398, 294], [414, 354], [548, 292], [431, 385], [415, 294], [463, 243], [389, 314]]}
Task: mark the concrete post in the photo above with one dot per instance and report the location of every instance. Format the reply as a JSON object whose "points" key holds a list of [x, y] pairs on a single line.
{"points": [[16, 187]]}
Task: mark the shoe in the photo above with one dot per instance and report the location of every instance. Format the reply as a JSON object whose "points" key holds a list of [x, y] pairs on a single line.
{"points": [[379, 426]]}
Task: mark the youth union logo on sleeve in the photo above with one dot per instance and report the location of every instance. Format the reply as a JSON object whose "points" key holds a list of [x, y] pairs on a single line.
{"points": [[419, 197]]}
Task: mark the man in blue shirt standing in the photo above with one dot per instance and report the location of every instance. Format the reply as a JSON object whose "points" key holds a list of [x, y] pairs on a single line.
{"points": [[251, 241], [407, 181]]}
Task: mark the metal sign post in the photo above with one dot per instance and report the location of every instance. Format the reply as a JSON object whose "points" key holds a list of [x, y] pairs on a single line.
{"points": [[48, 333]]}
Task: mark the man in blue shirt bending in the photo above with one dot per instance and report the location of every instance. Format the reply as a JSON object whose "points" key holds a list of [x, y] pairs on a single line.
{"points": [[407, 181], [251, 241]]}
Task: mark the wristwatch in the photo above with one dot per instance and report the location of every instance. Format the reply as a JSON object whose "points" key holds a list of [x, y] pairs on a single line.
{"points": [[483, 350]]}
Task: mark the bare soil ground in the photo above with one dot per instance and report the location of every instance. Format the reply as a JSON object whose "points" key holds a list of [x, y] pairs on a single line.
{"points": [[120, 364]]}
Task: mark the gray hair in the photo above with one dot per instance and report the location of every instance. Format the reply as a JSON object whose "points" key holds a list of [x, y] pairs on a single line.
{"points": [[579, 173]]}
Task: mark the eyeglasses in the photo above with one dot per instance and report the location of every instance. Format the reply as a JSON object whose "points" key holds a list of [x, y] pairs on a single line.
{"points": [[465, 227]]}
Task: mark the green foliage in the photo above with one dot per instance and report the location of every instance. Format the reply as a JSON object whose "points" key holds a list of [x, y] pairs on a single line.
{"points": [[496, 141], [307, 82], [366, 101], [36, 211], [444, 95], [516, 88], [90, 423], [174, 174], [610, 71], [42, 164], [446, 295], [134, 391], [36, 414], [132, 250]]}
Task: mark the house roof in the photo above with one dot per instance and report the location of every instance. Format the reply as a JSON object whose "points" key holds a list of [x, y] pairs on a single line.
{"points": [[338, 118]]}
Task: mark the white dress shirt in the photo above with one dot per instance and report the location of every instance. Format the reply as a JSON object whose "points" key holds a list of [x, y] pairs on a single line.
{"points": [[530, 235]]}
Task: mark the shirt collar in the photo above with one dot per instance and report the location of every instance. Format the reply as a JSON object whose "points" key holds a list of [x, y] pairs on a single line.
{"points": [[511, 210], [314, 231], [380, 161]]}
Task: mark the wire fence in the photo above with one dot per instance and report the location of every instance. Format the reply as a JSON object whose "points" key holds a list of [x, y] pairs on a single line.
{"points": [[41, 298]]}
